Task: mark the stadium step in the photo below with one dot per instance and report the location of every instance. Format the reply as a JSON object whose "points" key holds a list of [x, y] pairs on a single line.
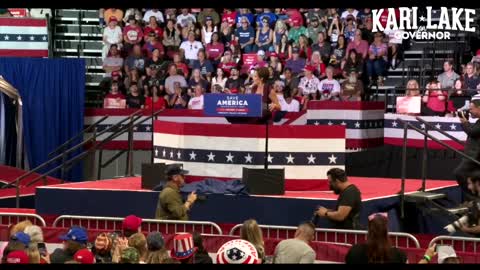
{"points": [[458, 210], [421, 196]]}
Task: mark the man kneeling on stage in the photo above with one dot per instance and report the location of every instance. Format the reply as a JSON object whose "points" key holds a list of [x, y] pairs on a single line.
{"points": [[170, 204], [347, 213]]}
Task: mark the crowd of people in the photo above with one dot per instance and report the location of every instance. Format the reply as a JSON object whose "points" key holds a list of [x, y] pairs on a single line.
{"points": [[170, 58]]}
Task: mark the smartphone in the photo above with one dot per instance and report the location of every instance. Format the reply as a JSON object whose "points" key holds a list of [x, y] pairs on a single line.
{"points": [[42, 249]]}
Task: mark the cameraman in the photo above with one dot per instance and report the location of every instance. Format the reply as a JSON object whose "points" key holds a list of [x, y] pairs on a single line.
{"points": [[473, 215], [472, 146]]}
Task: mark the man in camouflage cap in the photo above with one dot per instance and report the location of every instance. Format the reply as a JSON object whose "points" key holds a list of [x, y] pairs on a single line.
{"points": [[130, 256]]}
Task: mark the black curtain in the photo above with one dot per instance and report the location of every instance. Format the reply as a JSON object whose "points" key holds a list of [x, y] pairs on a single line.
{"points": [[10, 132]]}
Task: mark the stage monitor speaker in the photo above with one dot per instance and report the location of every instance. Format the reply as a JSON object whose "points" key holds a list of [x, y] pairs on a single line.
{"points": [[264, 182], [153, 175]]}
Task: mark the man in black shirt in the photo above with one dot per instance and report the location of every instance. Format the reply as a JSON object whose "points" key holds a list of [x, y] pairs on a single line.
{"points": [[347, 213], [234, 84], [134, 98]]}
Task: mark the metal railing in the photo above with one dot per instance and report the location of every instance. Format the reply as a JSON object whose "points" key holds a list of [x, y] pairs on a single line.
{"points": [[458, 243], [331, 235], [8, 218], [149, 225]]}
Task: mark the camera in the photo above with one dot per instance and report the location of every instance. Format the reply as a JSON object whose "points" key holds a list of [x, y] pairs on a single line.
{"points": [[469, 220]]}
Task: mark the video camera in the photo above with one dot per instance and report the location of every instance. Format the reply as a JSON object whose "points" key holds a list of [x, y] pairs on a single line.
{"points": [[469, 220]]}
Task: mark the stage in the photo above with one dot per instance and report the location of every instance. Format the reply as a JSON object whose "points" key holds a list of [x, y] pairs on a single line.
{"points": [[123, 196]]}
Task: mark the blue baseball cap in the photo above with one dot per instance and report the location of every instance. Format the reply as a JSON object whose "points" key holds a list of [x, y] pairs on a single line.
{"points": [[22, 237], [76, 234]]}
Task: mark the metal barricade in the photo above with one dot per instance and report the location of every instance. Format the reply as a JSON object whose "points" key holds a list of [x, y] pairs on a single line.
{"points": [[8, 218], [403, 240], [149, 225], [463, 244]]}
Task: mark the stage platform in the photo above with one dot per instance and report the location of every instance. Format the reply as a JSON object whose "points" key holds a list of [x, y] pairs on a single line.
{"points": [[123, 196]]}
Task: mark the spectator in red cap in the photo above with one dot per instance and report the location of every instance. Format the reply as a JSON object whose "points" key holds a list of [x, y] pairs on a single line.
{"points": [[153, 27], [84, 256], [131, 224], [296, 29], [17, 257], [309, 84], [111, 35]]}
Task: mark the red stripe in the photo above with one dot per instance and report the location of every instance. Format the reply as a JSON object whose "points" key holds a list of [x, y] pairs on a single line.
{"points": [[419, 143], [335, 105], [364, 143], [23, 22], [292, 116], [23, 53], [290, 184], [123, 145], [250, 131]]}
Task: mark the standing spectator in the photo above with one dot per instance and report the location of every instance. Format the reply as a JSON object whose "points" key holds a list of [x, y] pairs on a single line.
{"points": [[207, 30], [252, 233], [139, 242], [208, 12], [114, 99], [131, 224], [376, 64], [132, 12], [197, 79], [458, 99], [153, 27], [234, 84], [182, 68], [264, 35], [112, 35], [434, 99], [245, 36], [132, 34], [153, 13], [472, 80], [296, 64], [296, 29], [201, 256], [350, 28], [309, 84], [183, 248], [378, 248], [190, 48], [134, 98], [205, 66], [171, 39], [336, 29], [129, 255], [317, 63], [214, 50], [113, 12], [196, 102], [102, 248], [229, 16], [352, 88], [153, 44], [157, 253], [353, 61], [323, 47], [84, 256], [156, 100], [359, 45], [219, 80], [135, 64], [297, 250], [244, 12], [186, 18], [349, 203], [75, 240], [173, 78], [329, 87], [449, 76], [314, 27]]}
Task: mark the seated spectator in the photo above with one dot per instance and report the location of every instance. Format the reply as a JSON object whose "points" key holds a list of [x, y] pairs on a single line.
{"points": [[353, 61], [171, 39], [378, 248], [281, 45], [227, 63], [135, 99], [349, 12], [290, 104], [102, 248], [179, 99], [275, 63], [228, 16], [190, 48], [35, 233], [201, 255], [205, 66], [172, 79], [156, 100], [114, 99], [309, 84], [155, 62], [259, 61], [226, 36], [247, 253], [471, 79], [244, 12], [234, 84], [157, 253], [182, 68], [434, 99], [186, 18], [129, 255], [197, 79], [113, 12], [253, 234], [405, 105], [245, 36], [214, 50], [449, 76], [84, 256], [135, 64], [208, 12], [153, 44], [171, 14], [291, 81], [132, 34], [139, 242], [352, 88], [153, 13], [272, 76], [304, 47], [460, 98], [219, 80], [335, 30], [359, 45], [75, 240], [376, 64], [296, 30], [314, 27], [329, 87], [132, 12], [364, 14], [196, 102], [207, 30], [112, 35], [323, 47], [113, 62], [296, 64], [447, 255], [264, 36], [394, 46], [266, 13], [153, 27], [297, 250], [183, 248], [337, 59], [317, 63]]}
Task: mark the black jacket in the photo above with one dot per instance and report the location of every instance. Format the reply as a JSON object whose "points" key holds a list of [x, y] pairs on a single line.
{"points": [[472, 146]]}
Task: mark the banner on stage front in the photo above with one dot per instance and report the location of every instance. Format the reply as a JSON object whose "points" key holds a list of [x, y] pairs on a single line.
{"points": [[233, 105]]}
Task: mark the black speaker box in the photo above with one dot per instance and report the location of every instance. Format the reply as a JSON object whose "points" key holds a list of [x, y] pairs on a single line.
{"points": [[264, 182], [153, 175]]}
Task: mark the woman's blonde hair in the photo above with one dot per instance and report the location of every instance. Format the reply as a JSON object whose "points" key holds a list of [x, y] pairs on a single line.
{"points": [[35, 233], [251, 232], [20, 227], [157, 256], [139, 242], [33, 254], [415, 86]]}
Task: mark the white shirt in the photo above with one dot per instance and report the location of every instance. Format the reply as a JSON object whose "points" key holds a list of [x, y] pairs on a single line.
{"points": [[150, 13], [184, 19], [208, 35], [196, 103], [294, 106], [309, 86], [191, 49], [346, 13], [221, 83], [40, 12], [113, 35], [329, 85]]}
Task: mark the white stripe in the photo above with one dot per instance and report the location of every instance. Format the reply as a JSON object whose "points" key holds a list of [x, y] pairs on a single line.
{"points": [[113, 120], [183, 119], [23, 45], [137, 136], [431, 119], [345, 114], [412, 134], [24, 30], [235, 170], [302, 120], [364, 133], [249, 144]]}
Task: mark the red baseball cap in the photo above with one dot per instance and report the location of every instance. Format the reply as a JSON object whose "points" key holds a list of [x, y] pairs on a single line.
{"points": [[131, 223], [112, 19], [309, 68], [17, 257], [273, 54], [84, 256], [115, 73]]}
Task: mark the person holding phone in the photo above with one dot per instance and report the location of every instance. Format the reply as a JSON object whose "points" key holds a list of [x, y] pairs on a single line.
{"points": [[467, 168]]}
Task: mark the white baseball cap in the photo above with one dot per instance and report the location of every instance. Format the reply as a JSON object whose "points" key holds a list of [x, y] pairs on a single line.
{"points": [[445, 252]]}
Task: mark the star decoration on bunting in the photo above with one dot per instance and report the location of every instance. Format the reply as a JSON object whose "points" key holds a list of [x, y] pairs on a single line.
{"points": [[32, 38], [7, 37], [147, 128], [171, 154], [422, 126], [453, 127], [290, 158], [19, 38], [422, 18], [330, 123], [394, 124], [311, 159], [156, 152], [316, 123], [357, 124], [193, 156], [164, 153], [270, 158], [211, 157], [230, 157], [179, 155], [332, 159], [438, 126], [343, 123], [248, 158], [135, 128], [44, 38]]}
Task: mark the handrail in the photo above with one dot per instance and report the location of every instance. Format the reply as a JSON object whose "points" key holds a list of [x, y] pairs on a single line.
{"points": [[148, 222], [335, 231], [11, 215], [81, 133], [452, 239], [444, 133]]}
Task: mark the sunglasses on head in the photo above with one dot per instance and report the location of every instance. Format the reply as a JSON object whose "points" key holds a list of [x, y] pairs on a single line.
{"points": [[372, 216]]}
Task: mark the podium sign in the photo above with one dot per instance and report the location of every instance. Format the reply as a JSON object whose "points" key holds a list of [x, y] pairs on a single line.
{"points": [[246, 105]]}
